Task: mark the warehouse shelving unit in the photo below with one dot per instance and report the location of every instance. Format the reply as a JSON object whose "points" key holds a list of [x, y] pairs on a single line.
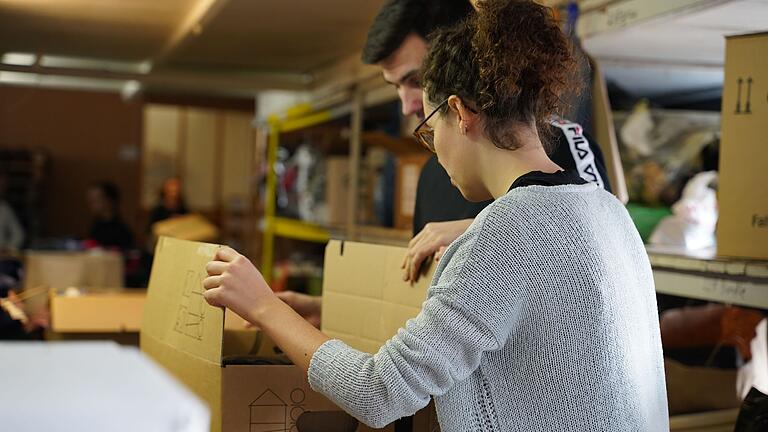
{"points": [[705, 276], [679, 40], [274, 226], [352, 102]]}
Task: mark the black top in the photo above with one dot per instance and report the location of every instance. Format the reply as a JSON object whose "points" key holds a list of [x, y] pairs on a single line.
{"points": [[437, 200], [111, 233], [547, 179]]}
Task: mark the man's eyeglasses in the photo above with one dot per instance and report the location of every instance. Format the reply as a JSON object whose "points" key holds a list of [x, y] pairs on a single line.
{"points": [[425, 133]]}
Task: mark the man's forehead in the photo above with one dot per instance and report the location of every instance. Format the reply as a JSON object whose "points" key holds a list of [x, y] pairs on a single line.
{"points": [[406, 58]]}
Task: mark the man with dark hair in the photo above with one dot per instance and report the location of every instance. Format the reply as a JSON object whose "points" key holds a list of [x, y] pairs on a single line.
{"points": [[398, 19], [397, 41]]}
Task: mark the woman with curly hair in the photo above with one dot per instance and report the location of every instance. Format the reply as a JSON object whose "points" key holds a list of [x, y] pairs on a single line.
{"points": [[542, 315]]}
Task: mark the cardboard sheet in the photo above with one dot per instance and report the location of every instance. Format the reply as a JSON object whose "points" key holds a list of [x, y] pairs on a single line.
{"points": [[365, 300]]}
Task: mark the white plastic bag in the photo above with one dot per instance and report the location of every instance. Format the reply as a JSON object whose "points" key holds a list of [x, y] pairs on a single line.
{"points": [[694, 216]]}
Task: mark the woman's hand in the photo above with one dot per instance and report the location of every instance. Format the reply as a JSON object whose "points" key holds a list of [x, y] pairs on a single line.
{"points": [[433, 239], [235, 283]]}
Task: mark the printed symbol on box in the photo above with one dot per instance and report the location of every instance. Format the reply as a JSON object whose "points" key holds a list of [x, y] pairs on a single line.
{"points": [[269, 413], [297, 407], [190, 318], [748, 105]]}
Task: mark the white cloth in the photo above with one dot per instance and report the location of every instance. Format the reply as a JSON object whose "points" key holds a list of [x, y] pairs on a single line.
{"points": [[91, 386], [541, 317]]}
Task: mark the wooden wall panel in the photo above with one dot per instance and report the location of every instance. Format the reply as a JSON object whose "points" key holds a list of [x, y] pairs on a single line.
{"points": [[199, 159], [237, 162], [161, 146], [90, 136]]}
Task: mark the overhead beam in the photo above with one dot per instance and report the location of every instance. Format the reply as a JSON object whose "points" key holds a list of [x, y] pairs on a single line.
{"points": [[191, 26], [229, 82]]}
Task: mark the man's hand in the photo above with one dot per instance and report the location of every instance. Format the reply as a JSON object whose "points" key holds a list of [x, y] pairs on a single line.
{"points": [[433, 239], [233, 282], [309, 307]]}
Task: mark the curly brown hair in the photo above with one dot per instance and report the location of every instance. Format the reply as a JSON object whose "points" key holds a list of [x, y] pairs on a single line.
{"points": [[510, 61]]}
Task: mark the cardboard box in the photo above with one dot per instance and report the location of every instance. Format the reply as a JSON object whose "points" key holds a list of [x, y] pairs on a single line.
{"points": [[69, 269], [103, 314], [96, 311], [79, 269], [188, 227], [710, 421], [699, 389], [742, 230], [366, 301], [187, 336], [336, 189], [406, 181]]}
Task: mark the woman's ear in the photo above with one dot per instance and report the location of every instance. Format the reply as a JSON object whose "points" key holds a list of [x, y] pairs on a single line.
{"points": [[465, 118]]}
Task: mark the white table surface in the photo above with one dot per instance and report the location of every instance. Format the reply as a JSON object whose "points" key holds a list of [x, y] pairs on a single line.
{"points": [[91, 386]]}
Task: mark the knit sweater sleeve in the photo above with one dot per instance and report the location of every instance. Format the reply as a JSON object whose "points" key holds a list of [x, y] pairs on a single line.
{"points": [[436, 350]]}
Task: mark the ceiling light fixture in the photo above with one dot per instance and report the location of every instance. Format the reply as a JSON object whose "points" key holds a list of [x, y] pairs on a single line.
{"points": [[18, 59]]}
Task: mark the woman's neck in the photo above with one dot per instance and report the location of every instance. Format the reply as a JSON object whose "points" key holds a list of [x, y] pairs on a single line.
{"points": [[502, 167]]}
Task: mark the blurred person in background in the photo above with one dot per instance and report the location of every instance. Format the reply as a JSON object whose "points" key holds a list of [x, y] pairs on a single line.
{"points": [[108, 230], [171, 202], [11, 231]]}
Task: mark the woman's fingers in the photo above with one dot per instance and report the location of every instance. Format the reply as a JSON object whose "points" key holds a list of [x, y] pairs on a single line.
{"points": [[215, 268], [212, 297], [226, 254], [212, 282]]}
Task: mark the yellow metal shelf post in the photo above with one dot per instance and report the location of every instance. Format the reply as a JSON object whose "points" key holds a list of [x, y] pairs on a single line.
{"points": [[268, 251]]}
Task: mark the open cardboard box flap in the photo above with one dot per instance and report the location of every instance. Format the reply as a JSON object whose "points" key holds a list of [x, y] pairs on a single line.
{"points": [[365, 300], [176, 314]]}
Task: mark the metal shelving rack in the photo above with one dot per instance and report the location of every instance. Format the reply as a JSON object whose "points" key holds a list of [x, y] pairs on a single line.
{"points": [[273, 226], [705, 276], [358, 97]]}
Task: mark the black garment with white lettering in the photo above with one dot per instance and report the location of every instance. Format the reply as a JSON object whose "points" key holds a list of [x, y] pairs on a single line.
{"points": [[437, 200], [538, 178]]}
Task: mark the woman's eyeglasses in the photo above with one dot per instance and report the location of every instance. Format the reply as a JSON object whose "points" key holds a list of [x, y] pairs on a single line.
{"points": [[425, 133]]}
